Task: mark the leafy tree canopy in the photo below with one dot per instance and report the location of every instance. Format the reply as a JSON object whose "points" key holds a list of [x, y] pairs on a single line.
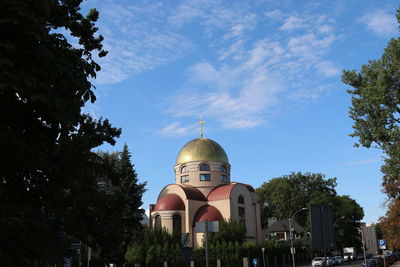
{"points": [[48, 170], [229, 231], [375, 110], [281, 197], [390, 224]]}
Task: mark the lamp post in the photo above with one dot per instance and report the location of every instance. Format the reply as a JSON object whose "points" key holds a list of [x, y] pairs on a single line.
{"points": [[363, 244], [290, 235], [263, 250]]}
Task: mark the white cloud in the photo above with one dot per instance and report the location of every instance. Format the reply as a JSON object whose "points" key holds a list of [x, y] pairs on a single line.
{"points": [[135, 40], [175, 129], [380, 23], [363, 162], [240, 94], [293, 23], [235, 96], [328, 69], [274, 14], [203, 72]]}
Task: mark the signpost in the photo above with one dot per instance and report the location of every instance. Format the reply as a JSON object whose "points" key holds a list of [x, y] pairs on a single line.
{"points": [[263, 251], [205, 227]]}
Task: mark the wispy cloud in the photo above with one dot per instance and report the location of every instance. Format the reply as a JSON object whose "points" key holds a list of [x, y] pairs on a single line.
{"points": [[363, 162], [250, 77], [293, 23], [176, 129], [380, 22], [248, 69], [136, 40]]}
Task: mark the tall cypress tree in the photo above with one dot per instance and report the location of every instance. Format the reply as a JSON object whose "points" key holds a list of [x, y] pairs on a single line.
{"points": [[121, 212]]}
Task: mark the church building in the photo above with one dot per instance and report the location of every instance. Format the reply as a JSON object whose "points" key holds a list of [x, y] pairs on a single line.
{"points": [[203, 191]]}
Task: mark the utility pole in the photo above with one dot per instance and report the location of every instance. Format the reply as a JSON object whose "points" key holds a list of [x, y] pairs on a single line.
{"points": [[206, 233], [263, 250], [292, 250], [362, 240]]}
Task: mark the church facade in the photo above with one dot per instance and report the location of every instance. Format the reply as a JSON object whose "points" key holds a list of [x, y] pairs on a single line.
{"points": [[203, 191]]}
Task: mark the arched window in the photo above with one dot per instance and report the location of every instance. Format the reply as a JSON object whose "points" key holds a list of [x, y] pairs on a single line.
{"points": [[177, 224], [204, 167], [184, 169], [223, 169], [241, 199], [157, 221]]}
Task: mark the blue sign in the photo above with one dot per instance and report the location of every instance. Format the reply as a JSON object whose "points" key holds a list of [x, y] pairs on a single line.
{"points": [[382, 243], [255, 262]]}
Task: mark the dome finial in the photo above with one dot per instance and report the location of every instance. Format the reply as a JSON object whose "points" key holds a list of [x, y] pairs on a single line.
{"points": [[201, 123]]}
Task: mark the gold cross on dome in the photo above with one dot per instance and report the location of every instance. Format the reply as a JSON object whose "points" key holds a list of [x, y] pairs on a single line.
{"points": [[201, 123]]}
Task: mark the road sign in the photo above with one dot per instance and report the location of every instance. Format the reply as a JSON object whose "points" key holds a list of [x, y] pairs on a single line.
{"points": [[382, 244], [213, 226], [255, 261], [185, 239]]}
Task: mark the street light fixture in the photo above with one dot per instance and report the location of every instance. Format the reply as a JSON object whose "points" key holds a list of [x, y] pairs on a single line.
{"points": [[290, 235]]}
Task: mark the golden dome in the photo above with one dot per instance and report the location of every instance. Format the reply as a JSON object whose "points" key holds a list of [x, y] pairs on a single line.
{"points": [[201, 149]]}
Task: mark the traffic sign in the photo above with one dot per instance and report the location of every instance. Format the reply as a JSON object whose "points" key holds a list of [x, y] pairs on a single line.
{"points": [[382, 243], [255, 261], [185, 239], [200, 227]]}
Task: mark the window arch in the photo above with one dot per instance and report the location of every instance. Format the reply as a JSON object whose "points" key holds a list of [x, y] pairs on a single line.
{"points": [[177, 224], [157, 222], [184, 169], [240, 199], [205, 167]]}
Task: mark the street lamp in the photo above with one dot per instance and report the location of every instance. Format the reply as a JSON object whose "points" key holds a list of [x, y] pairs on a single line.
{"points": [[263, 250], [363, 244], [290, 235]]}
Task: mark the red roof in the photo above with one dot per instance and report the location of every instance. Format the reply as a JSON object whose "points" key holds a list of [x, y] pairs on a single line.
{"points": [[207, 212], [224, 191], [220, 192], [169, 202]]}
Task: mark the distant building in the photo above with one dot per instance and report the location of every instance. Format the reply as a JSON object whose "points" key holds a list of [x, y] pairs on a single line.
{"points": [[369, 233], [279, 230], [203, 191]]}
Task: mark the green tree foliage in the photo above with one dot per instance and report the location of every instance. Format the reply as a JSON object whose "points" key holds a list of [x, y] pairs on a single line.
{"points": [[229, 231], [376, 114], [281, 197], [390, 224], [348, 215], [48, 168], [120, 214], [375, 110], [154, 246]]}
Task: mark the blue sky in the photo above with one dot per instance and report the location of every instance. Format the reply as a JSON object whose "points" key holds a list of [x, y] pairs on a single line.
{"points": [[264, 74]]}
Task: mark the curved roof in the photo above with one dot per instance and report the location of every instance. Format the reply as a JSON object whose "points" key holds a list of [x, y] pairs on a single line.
{"points": [[190, 192], [169, 202], [207, 212], [201, 149], [193, 193], [224, 191], [220, 192]]}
